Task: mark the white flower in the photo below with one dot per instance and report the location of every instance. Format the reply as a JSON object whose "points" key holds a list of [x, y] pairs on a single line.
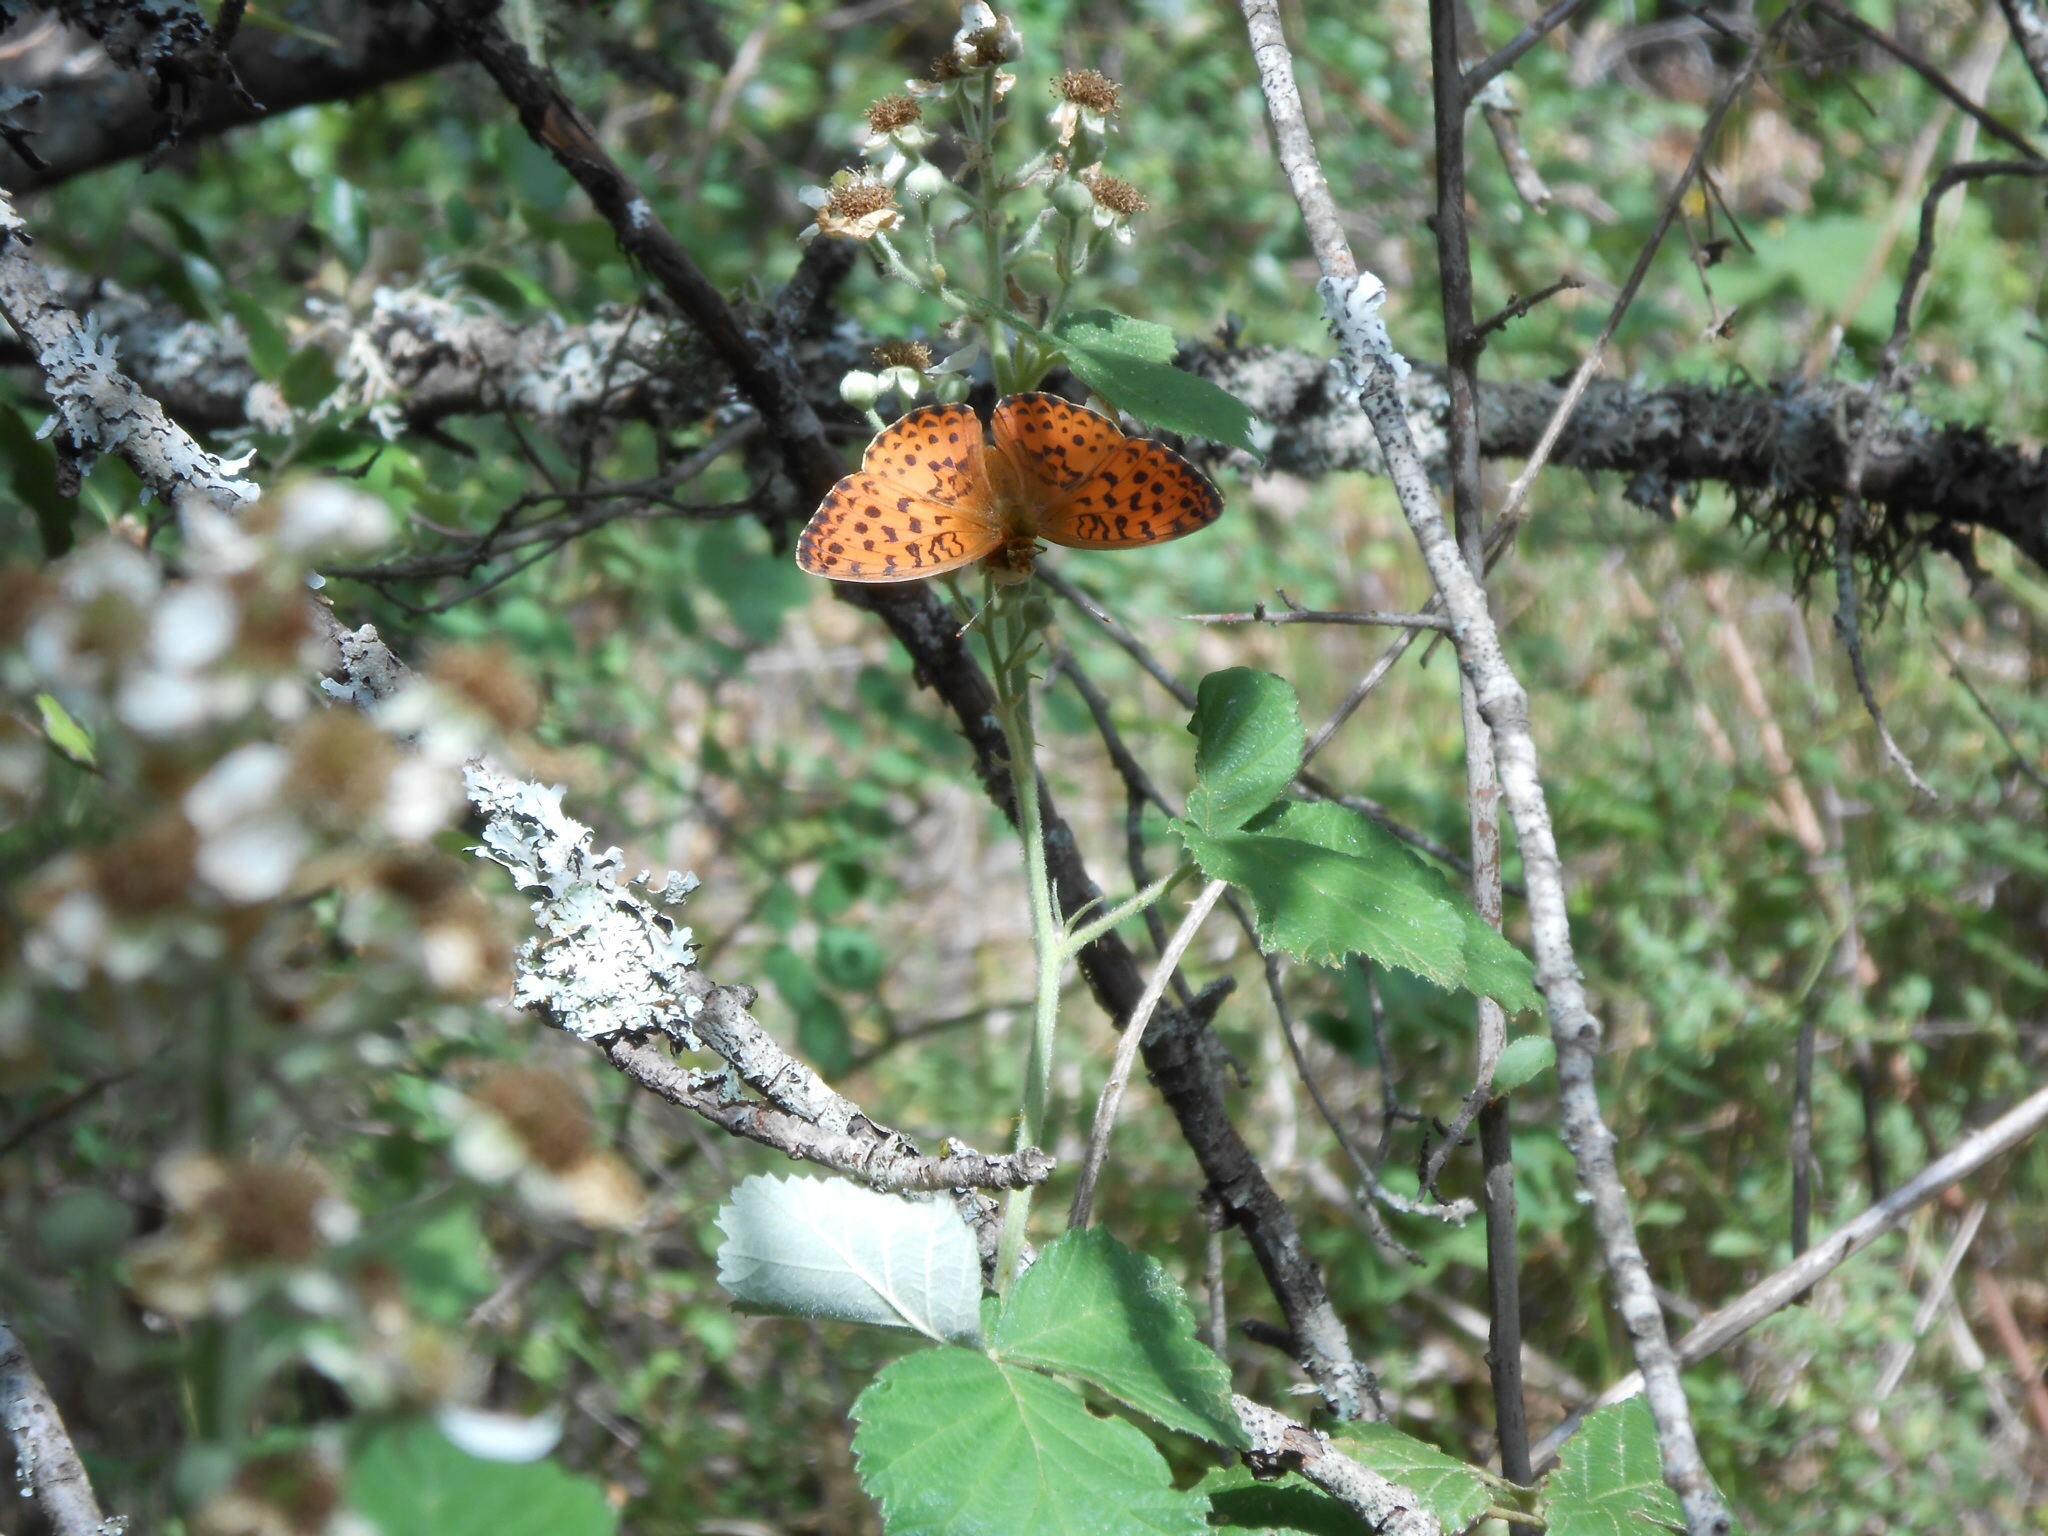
{"points": [[985, 39], [895, 132]]}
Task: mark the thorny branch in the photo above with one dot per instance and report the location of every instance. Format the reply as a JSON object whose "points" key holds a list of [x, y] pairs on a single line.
{"points": [[1351, 300]]}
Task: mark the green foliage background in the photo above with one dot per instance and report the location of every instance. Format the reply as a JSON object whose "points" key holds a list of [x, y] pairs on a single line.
{"points": [[711, 708]]}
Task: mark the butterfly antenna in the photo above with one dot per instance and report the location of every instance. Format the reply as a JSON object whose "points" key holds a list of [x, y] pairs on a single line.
{"points": [[974, 618]]}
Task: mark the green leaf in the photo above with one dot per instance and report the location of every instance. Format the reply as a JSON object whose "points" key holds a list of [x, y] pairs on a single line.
{"points": [[1092, 1308], [952, 1443], [1288, 1506], [65, 733], [1248, 742], [308, 378], [33, 474], [1523, 1060], [1104, 330], [408, 1479], [828, 1248], [850, 958], [1164, 395], [1323, 903], [1448, 1488], [1609, 1481], [269, 351]]}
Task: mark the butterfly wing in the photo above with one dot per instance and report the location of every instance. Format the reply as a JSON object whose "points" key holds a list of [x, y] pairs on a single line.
{"points": [[1052, 444], [919, 505], [1140, 493]]}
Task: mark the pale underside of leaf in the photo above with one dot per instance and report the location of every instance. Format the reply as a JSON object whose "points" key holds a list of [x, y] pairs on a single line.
{"points": [[828, 1248]]}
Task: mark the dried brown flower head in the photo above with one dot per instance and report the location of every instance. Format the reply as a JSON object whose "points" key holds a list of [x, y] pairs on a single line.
{"points": [[543, 1110], [1118, 196], [1090, 89], [341, 766], [903, 354], [268, 1212], [149, 870], [490, 678], [858, 205], [894, 112]]}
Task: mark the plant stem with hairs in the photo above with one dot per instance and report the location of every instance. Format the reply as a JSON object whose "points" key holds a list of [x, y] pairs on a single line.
{"points": [[1013, 641]]}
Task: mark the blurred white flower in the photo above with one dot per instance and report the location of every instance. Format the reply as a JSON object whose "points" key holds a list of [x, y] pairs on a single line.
{"points": [[242, 784], [323, 517], [501, 1436]]}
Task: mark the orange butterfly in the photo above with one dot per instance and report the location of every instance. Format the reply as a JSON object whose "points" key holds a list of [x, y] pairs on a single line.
{"points": [[931, 495]]}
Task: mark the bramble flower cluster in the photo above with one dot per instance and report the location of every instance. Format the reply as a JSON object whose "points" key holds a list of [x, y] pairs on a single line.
{"points": [[259, 873], [1002, 276]]}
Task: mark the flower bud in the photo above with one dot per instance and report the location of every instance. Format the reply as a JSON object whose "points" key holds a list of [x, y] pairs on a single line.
{"points": [[950, 389], [860, 390], [925, 182], [1074, 200]]}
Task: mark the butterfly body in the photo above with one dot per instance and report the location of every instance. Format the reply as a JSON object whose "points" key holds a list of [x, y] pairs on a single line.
{"points": [[935, 492]]}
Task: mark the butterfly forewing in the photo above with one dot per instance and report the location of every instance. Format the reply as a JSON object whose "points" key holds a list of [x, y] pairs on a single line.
{"points": [[919, 505], [1140, 493]]}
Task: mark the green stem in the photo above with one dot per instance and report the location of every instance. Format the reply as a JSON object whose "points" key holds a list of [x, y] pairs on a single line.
{"points": [[1080, 938], [1013, 708]]}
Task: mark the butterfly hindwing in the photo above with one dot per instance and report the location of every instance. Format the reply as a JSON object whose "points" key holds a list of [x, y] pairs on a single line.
{"points": [[1053, 443], [919, 505], [1140, 493]]}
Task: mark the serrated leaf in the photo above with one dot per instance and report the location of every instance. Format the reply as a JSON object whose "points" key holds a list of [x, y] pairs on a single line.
{"points": [[809, 1247], [1092, 1308], [65, 733], [1287, 1506], [952, 1443], [1248, 744], [1164, 395], [1609, 1481], [408, 1478], [1522, 1061], [1448, 1488], [1104, 330], [1364, 895]]}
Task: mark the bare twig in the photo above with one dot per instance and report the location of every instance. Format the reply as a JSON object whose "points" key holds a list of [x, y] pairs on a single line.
{"points": [[1479, 75], [1375, 1227], [1989, 121], [47, 1463], [1848, 607], [1517, 307], [1082, 1211], [2016, 1347], [1131, 645], [1352, 303], [1719, 1329], [862, 1150], [1518, 490], [1281, 1445], [2029, 25], [2020, 759], [1260, 614]]}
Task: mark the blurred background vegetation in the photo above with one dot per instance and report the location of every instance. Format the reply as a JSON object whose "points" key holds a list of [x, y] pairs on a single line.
{"points": [[711, 709]]}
